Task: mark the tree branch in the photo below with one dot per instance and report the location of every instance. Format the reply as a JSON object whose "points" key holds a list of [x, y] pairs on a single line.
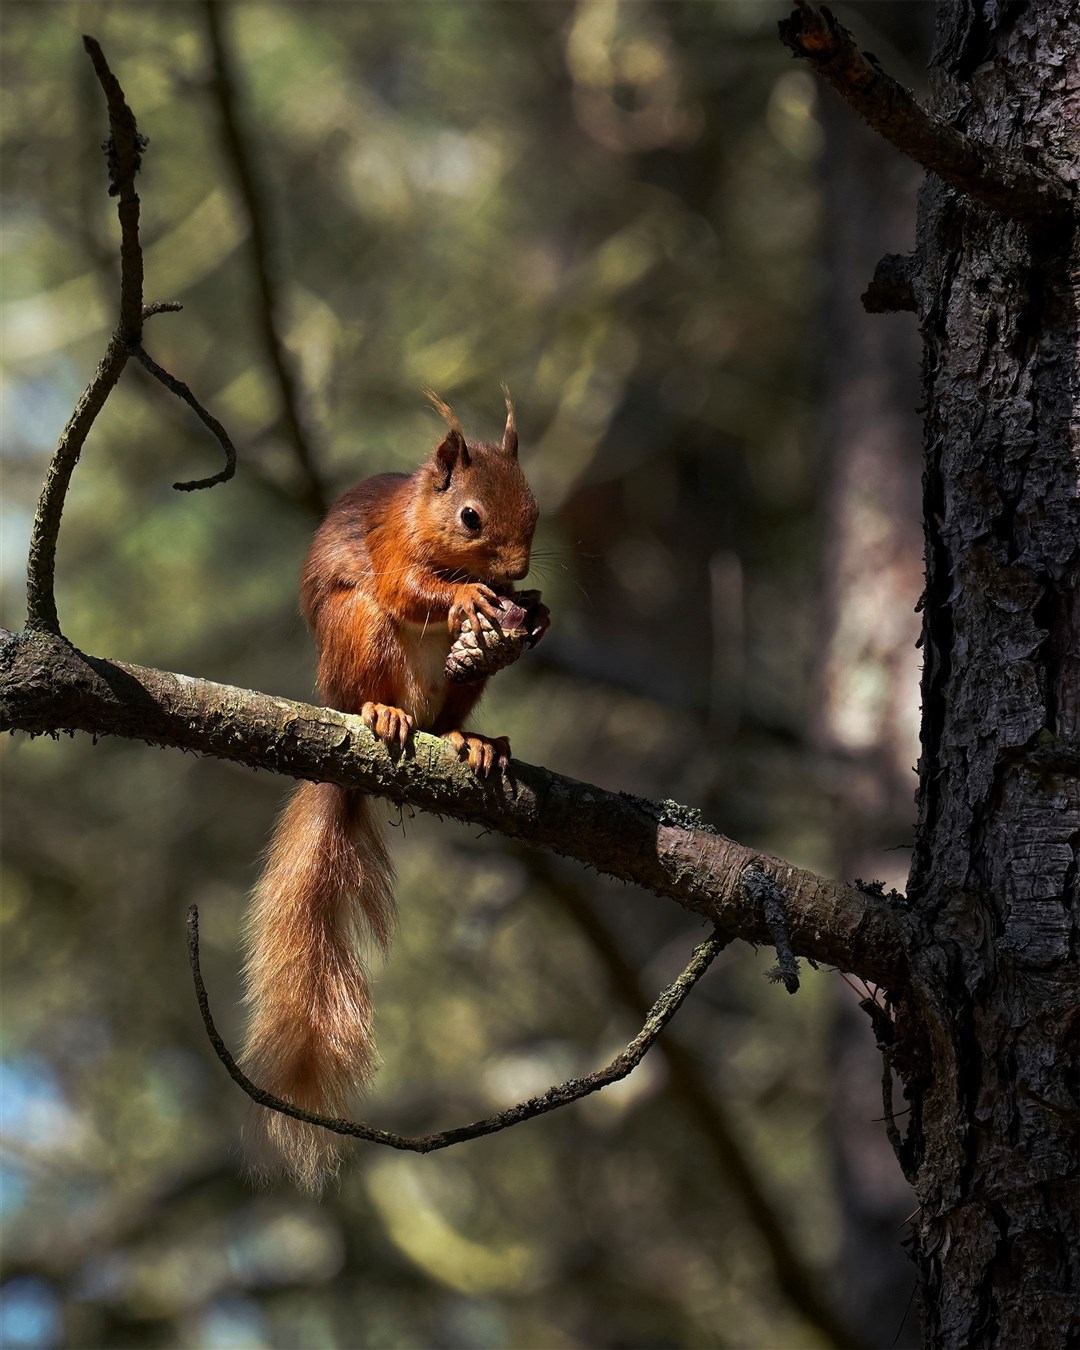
{"points": [[1002, 182], [563, 1094], [891, 290], [123, 151], [46, 686]]}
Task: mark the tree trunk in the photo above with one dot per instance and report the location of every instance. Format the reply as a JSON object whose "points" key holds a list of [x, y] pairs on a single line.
{"points": [[984, 1033]]}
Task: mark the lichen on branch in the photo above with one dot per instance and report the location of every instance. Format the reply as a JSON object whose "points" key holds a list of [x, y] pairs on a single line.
{"points": [[46, 685]]}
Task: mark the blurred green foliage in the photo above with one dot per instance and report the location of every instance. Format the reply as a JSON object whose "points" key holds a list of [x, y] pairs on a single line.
{"points": [[614, 208]]}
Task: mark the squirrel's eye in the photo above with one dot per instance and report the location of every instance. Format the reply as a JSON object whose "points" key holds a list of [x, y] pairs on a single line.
{"points": [[470, 519]]}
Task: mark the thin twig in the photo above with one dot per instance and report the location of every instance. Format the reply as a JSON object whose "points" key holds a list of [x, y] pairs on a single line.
{"points": [[1003, 182], [885, 1036], [770, 897], [161, 307], [180, 389], [891, 1129], [242, 164], [563, 1094]]}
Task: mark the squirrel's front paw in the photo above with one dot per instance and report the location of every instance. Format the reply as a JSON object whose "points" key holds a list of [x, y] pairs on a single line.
{"points": [[472, 599], [483, 752], [391, 725]]}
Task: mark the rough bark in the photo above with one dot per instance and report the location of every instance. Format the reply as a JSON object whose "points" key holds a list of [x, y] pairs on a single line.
{"points": [[985, 1032], [985, 1035]]}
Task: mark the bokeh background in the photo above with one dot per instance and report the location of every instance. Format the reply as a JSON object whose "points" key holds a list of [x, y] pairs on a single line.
{"points": [[653, 225]]}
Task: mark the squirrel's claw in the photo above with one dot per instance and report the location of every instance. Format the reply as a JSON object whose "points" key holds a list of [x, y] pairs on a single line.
{"points": [[482, 752], [473, 598], [391, 725]]}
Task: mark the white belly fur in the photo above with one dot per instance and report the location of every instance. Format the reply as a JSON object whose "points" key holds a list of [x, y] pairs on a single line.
{"points": [[427, 646]]}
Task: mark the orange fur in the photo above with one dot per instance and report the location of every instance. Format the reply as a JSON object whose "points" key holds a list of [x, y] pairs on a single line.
{"points": [[309, 1036], [389, 575]]}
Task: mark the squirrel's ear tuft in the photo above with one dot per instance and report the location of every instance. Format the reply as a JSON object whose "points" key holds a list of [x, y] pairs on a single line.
{"points": [[449, 453], [453, 448], [510, 436]]}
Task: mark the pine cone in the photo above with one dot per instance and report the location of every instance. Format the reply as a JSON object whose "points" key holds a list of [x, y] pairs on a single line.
{"points": [[481, 651]]}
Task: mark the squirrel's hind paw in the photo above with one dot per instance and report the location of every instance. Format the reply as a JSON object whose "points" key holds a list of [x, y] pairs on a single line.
{"points": [[391, 725], [482, 752]]}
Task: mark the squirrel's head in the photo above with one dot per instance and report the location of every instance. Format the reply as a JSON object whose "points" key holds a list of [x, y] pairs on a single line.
{"points": [[475, 508]]}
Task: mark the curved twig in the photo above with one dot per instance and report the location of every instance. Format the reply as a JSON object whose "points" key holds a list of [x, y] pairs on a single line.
{"points": [[161, 307], [181, 390], [695, 1088], [562, 1094], [123, 151]]}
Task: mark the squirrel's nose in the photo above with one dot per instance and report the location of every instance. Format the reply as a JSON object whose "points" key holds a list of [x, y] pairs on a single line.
{"points": [[519, 573]]}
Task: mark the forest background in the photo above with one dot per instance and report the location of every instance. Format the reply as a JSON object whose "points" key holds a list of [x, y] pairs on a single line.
{"points": [[655, 228]]}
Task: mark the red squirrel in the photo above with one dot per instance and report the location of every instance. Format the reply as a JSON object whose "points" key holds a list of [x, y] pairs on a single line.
{"points": [[400, 561]]}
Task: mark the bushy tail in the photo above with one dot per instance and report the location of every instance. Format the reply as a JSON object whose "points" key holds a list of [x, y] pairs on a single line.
{"points": [[327, 885]]}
